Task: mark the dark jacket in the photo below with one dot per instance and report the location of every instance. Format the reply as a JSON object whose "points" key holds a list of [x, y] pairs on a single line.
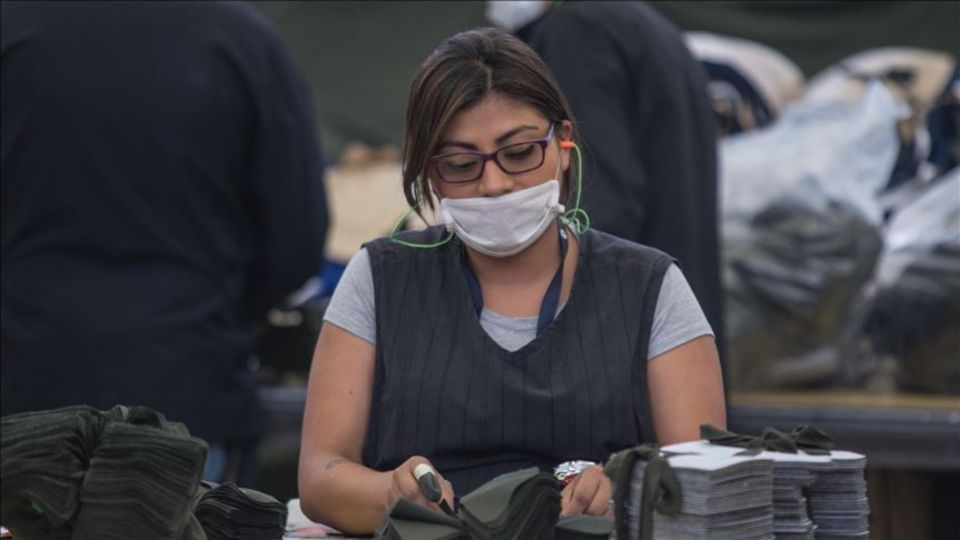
{"points": [[642, 109], [161, 189]]}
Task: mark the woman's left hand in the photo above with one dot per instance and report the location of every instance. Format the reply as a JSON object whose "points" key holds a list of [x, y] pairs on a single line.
{"points": [[589, 493]]}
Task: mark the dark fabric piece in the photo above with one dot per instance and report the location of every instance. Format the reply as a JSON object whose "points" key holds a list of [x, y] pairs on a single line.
{"points": [[228, 512], [642, 109], [803, 437], [522, 504], [444, 389], [81, 473], [409, 520], [161, 189]]}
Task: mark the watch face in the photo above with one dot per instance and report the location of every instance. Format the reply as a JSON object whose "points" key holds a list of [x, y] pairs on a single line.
{"points": [[569, 469]]}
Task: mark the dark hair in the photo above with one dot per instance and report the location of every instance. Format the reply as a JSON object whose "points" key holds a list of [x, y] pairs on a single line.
{"points": [[458, 74]]}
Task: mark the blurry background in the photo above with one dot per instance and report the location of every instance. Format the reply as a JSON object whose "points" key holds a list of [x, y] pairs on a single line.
{"points": [[815, 334], [359, 57], [838, 211]]}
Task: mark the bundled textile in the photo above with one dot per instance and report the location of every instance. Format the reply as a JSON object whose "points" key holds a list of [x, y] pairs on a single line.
{"points": [[228, 512], [128, 472], [666, 495], [817, 491], [82, 473], [788, 486]]}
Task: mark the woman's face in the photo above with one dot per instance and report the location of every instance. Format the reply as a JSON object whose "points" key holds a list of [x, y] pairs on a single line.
{"points": [[490, 125]]}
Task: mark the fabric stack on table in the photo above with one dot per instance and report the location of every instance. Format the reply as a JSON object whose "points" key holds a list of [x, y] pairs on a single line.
{"points": [[808, 476], [82, 473], [140, 481], [42, 466], [231, 513], [128, 472], [838, 498], [792, 475], [691, 496]]}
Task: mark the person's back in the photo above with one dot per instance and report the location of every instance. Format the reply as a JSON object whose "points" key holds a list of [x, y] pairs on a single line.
{"points": [[643, 111], [161, 189]]}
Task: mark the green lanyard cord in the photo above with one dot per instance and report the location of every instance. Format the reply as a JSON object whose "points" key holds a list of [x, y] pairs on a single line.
{"points": [[396, 227], [577, 217]]}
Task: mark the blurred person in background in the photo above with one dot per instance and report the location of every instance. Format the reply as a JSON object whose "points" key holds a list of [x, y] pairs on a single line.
{"points": [[161, 190], [647, 124]]}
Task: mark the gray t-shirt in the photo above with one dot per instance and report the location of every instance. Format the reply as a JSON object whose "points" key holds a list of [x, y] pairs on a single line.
{"points": [[678, 317]]}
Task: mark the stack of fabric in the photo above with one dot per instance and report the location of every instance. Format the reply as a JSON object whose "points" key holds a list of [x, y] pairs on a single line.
{"points": [[691, 496], [229, 512], [838, 498], [43, 457], [128, 472], [809, 475], [122, 473], [793, 474], [140, 481]]}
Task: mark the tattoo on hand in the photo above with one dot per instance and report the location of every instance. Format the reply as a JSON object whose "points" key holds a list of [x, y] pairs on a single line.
{"points": [[333, 463]]}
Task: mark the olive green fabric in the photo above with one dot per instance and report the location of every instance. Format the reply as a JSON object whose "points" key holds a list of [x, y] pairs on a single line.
{"points": [[803, 437], [82, 473], [661, 488], [521, 504], [228, 512], [127, 472]]}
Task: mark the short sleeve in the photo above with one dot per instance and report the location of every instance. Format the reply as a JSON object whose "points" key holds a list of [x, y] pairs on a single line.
{"points": [[352, 306], [678, 317]]}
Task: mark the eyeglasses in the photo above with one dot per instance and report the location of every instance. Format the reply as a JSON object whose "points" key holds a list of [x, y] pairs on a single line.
{"points": [[518, 158]]}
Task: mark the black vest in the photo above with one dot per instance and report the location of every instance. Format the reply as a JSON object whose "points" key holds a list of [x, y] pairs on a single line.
{"points": [[445, 390]]}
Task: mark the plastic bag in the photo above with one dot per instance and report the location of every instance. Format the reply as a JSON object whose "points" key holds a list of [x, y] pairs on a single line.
{"points": [[801, 234], [915, 317]]}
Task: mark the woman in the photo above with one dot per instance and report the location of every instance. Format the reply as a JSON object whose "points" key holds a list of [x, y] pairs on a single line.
{"points": [[516, 339]]}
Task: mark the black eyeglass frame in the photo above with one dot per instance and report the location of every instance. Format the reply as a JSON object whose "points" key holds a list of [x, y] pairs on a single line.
{"points": [[492, 156]]}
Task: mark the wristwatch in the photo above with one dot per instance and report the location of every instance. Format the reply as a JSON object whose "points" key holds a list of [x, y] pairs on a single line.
{"points": [[568, 470]]}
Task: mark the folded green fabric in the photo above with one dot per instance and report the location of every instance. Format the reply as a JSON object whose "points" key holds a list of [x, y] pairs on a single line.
{"points": [[523, 504], [229, 512], [43, 458], [128, 472], [407, 521]]}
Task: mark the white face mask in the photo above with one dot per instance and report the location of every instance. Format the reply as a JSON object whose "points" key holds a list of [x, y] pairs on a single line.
{"points": [[505, 225], [514, 14]]}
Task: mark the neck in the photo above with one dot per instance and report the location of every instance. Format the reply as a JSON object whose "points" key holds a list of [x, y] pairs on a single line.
{"points": [[539, 261]]}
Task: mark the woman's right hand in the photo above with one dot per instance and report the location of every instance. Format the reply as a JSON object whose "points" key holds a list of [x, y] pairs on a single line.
{"points": [[403, 485]]}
